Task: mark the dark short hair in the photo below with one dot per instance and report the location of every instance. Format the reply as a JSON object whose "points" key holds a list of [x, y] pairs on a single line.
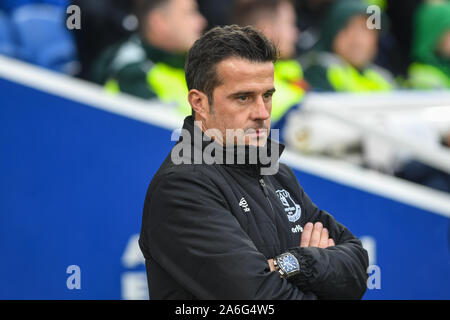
{"points": [[219, 44], [249, 12], [143, 7]]}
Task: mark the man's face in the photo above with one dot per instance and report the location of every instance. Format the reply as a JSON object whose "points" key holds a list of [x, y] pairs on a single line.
{"points": [[356, 43], [243, 101], [286, 30], [281, 28], [184, 23]]}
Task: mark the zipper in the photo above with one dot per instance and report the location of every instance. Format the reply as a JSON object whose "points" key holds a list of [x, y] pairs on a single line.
{"points": [[266, 194]]}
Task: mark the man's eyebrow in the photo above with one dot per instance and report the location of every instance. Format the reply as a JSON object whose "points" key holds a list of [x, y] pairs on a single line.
{"points": [[246, 93], [240, 93]]}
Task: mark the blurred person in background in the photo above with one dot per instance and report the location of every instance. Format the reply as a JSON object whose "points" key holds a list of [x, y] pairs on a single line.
{"points": [[310, 14], [104, 23], [216, 12], [395, 45], [343, 58], [150, 64], [430, 70], [431, 47], [277, 20]]}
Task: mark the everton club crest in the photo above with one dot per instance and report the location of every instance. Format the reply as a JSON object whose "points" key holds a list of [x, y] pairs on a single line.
{"points": [[291, 208]]}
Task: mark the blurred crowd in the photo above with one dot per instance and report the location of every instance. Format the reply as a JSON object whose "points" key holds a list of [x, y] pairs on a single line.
{"points": [[138, 47]]}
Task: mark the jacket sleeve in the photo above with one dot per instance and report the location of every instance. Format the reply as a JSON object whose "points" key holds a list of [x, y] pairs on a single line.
{"points": [[337, 272], [189, 230]]}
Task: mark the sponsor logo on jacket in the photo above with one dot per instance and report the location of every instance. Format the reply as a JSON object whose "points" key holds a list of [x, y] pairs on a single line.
{"points": [[244, 205]]}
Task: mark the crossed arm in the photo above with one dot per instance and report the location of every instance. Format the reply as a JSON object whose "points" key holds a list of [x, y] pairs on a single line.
{"points": [[193, 236], [314, 235]]}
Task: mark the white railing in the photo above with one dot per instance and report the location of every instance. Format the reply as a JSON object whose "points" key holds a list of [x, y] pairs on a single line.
{"points": [[360, 110]]}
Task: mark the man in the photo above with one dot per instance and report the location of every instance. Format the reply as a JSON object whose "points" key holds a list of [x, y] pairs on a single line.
{"points": [[277, 20], [104, 23], [151, 64], [431, 47], [343, 59], [222, 229]]}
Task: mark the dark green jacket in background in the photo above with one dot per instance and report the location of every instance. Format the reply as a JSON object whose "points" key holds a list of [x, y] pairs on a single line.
{"points": [[430, 70], [137, 68], [326, 71]]}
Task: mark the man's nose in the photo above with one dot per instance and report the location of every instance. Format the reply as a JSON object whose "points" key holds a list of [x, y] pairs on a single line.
{"points": [[202, 22], [260, 110]]}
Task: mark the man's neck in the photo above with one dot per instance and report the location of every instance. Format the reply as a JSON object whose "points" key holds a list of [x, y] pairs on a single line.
{"points": [[157, 53]]}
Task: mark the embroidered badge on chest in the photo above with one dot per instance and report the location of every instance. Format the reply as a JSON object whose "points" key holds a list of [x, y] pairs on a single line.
{"points": [[291, 208]]}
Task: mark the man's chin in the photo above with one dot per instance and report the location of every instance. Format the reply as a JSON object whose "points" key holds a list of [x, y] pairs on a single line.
{"points": [[257, 141]]}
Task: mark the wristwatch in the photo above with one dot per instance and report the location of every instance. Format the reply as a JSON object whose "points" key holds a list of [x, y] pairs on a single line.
{"points": [[287, 265]]}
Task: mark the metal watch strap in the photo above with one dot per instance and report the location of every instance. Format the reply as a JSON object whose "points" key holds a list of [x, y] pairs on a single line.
{"points": [[277, 267], [280, 268]]}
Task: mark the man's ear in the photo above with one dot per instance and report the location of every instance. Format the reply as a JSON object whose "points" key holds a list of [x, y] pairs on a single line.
{"points": [[199, 103]]}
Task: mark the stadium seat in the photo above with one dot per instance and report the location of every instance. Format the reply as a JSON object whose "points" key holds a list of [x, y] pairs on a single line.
{"points": [[43, 37], [7, 38]]}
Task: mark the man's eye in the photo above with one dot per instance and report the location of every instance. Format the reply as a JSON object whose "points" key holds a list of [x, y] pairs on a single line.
{"points": [[243, 98], [267, 95]]}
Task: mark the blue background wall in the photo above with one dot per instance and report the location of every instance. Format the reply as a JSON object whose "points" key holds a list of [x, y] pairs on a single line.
{"points": [[72, 183]]}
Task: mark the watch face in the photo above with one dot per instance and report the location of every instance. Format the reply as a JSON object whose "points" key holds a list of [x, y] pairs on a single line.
{"points": [[288, 263]]}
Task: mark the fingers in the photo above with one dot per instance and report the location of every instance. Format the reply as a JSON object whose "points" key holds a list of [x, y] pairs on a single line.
{"points": [[331, 243], [271, 265], [323, 243], [306, 235], [316, 234]]}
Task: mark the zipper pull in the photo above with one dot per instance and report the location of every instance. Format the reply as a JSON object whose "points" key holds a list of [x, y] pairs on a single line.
{"points": [[263, 186]]}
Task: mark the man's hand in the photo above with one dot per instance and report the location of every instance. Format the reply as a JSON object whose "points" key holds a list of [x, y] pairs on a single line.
{"points": [[313, 236], [271, 265], [316, 236]]}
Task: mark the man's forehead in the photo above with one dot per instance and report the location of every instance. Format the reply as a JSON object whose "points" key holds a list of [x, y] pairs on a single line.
{"points": [[180, 4], [238, 70]]}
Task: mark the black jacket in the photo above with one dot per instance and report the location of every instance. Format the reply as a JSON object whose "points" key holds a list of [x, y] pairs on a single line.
{"points": [[209, 229]]}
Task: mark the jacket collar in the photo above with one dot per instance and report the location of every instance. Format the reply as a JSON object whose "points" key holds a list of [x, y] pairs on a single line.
{"points": [[249, 158], [156, 55]]}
